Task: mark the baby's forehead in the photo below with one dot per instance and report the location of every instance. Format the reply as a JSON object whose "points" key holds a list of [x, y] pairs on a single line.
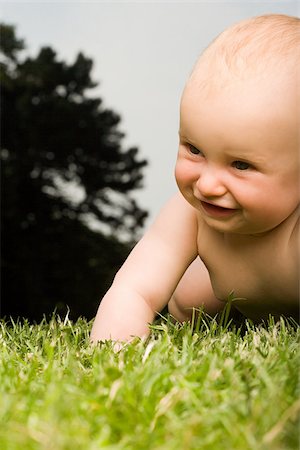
{"points": [[261, 95]]}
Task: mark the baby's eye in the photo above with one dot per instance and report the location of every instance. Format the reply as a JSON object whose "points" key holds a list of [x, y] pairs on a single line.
{"points": [[194, 150], [241, 165]]}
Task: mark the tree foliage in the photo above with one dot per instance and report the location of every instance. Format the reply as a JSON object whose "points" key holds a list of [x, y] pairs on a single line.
{"points": [[56, 135]]}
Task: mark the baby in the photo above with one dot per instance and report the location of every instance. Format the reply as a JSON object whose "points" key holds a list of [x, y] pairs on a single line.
{"points": [[232, 230]]}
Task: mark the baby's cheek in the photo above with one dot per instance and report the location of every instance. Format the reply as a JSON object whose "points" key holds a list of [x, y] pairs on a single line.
{"points": [[184, 173], [180, 174]]}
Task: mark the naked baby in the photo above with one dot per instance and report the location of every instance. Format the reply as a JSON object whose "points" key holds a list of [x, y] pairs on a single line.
{"points": [[233, 229]]}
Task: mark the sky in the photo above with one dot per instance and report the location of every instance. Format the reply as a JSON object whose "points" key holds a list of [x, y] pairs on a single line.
{"points": [[143, 53]]}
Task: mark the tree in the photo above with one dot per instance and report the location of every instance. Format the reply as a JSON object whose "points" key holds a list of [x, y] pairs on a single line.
{"points": [[55, 135]]}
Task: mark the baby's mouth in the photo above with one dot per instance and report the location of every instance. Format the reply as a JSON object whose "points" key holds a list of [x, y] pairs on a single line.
{"points": [[217, 211]]}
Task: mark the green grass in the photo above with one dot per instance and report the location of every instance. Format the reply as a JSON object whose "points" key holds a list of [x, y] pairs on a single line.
{"points": [[199, 386]]}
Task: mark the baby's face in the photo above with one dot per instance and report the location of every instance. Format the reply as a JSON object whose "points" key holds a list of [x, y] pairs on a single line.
{"points": [[238, 159]]}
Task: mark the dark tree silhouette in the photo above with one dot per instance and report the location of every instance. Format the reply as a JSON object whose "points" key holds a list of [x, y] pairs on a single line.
{"points": [[56, 135]]}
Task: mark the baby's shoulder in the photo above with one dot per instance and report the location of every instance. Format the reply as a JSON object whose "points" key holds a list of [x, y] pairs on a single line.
{"points": [[294, 239], [286, 241], [295, 229]]}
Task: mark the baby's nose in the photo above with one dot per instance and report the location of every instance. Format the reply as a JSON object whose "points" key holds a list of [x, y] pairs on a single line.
{"points": [[210, 184]]}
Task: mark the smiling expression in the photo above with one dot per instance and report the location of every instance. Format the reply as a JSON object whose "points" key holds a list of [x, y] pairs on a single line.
{"points": [[238, 159]]}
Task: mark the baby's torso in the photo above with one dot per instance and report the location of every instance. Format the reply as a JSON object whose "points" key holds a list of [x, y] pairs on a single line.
{"points": [[262, 272]]}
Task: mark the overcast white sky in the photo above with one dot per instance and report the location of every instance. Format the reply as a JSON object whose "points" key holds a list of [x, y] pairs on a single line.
{"points": [[143, 53]]}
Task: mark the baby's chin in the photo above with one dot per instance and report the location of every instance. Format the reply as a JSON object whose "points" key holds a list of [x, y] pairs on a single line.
{"points": [[236, 225]]}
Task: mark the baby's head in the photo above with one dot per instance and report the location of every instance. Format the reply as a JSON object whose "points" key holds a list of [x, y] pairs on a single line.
{"points": [[257, 48], [239, 125]]}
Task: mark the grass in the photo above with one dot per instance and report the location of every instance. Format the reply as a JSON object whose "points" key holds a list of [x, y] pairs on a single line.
{"points": [[204, 385]]}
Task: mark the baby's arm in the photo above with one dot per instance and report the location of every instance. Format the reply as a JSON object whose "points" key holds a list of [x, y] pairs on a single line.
{"points": [[147, 279]]}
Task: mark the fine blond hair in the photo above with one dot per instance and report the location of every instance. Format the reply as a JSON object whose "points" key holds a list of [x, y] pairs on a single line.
{"points": [[253, 46]]}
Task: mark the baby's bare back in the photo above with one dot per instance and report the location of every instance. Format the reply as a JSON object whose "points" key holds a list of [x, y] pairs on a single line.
{"points": [[262, 271]]}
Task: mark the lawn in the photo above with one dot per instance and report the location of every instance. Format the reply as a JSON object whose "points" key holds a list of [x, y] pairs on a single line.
{"points": [[204, 385]]}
